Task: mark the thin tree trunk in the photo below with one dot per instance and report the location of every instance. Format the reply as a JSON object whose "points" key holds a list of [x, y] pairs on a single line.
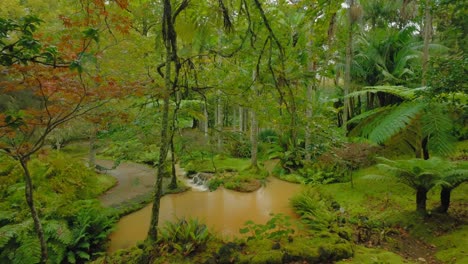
{"points": [[163, 147], [205, 123], [92, 149], [241, 119], [427, 40], [347, 78], [173, 184], [421, 198], [254, 127], [309, 109], [254, 140], [30, 201], [219, 121]]}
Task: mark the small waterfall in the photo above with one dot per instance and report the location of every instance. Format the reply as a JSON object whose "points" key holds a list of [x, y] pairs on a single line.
{"points": [[198, 181]]}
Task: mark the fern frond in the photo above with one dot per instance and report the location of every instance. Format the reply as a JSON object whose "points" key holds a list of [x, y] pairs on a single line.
{"points": [[400, 91], [8, 232], [28, 252], [395, 121], [455, 177], [58, 230], [437, 127], [368, 114]]}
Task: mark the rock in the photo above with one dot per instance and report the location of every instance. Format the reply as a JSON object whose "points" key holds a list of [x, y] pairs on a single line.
{"points": [[422, 260]]}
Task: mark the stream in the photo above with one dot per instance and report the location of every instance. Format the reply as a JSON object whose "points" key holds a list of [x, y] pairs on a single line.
{"points": [[224, 211]]}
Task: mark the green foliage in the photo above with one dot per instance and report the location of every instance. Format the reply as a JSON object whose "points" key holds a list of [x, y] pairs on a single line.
{"points": [[184, 236], [268, 136], [278, 227], [74, 228], [315, 209], [237, 144], [23, 48], [415, 173]]}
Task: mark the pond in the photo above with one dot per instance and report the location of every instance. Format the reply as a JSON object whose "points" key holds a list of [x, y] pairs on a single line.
{"points": [[224, 211]]}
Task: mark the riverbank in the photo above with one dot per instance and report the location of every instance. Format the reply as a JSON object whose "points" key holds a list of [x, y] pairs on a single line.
{"points": [[134, 188]]}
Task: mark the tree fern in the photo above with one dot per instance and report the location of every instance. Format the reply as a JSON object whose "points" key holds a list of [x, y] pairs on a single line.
{"points": [[394, 121], [400, 91], [437, 126]]}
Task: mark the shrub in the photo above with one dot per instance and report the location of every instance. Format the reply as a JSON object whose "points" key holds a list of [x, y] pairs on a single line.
{"points": [[335, 165], [315, 209], [185, 236], [238, 144], [268, 136], [278, 227]]}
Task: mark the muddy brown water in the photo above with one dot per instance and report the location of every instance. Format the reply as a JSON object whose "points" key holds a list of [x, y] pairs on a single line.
{"points": [[224, 211]]}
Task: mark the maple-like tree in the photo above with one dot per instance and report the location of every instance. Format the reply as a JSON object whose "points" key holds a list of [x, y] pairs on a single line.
{"points": [[43, 86]]}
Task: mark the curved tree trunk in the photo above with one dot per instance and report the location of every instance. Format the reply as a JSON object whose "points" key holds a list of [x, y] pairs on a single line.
{"points": [[32, 208], [421, 198]]}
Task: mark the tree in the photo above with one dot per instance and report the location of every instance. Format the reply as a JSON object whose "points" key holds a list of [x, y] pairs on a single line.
{"points": [[420, 122], [45, 87], [454, 177], [421, 175]]}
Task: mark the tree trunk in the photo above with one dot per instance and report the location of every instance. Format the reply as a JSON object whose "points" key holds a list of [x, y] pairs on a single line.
{"points": [[347, 78], [219, 122], [163, 147], [254, 140], [173, 184], [444, 199], [309, 109], [241, 119], [205, 123], [421, 198], [254, 127], [30, 201], [92, 149], [427, 39]]}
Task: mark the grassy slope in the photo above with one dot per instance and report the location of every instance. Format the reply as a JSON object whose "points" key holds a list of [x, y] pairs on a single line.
{"points": [[390, 203]]}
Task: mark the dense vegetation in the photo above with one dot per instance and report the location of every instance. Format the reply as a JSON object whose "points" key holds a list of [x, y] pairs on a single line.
{"points": [[364, 103]]}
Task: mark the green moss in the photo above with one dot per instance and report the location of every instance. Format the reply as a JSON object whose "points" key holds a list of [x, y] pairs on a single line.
{"points": [[301, 249], [363, 255], [217, 164], [260, 251], [452, 247], [294, 178], [104, 183]]}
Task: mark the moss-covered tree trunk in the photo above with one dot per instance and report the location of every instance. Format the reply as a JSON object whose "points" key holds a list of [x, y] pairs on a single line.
{"points": [[421, 199], [167, 28], [32, 208]]}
